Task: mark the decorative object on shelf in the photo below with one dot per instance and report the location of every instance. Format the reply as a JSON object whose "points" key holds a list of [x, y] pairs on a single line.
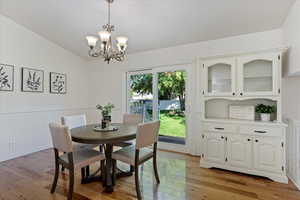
{"points": [[6, 77], [265, 112], [32, 80], [58, 83], [244, 112], [106, 49], [106, 114]]}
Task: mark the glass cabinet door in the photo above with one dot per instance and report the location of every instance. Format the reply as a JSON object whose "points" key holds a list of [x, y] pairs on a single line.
{"points": [[257, 75], [219, 77]]}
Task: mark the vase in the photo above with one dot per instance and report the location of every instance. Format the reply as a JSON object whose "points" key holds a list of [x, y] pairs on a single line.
{"points": [[266, 117], [107, 118]]}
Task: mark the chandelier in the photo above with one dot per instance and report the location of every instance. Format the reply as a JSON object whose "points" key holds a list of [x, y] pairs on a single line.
{"points": [[106, 48]]}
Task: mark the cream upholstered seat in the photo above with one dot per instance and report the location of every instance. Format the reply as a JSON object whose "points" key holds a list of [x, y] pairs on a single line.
{"points": [[127, 154], [135, 155], [84, 157], [62, 142], [75, 121]]}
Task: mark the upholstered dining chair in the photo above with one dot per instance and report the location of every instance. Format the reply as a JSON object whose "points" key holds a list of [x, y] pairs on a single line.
{"points": [[74, 121], [135, 155], [131, 119], [71, 160]]}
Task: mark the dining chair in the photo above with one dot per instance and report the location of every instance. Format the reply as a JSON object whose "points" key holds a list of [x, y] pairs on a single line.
{"points": [[75, 121], [71, 160], [130, 119], [135, 155]]}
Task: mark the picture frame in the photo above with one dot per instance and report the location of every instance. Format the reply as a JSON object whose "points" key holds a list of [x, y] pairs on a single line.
{"points": [[32, 80], [58, 83], [7, 77]]}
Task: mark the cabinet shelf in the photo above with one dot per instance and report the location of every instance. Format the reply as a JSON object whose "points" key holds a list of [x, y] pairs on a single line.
{"points": [[236, 121]]}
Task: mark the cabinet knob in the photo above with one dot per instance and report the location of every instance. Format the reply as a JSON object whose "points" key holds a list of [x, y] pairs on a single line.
{"points": [[256, 140], [233, 93], [241, 94], [248, 140], [222, 137]]}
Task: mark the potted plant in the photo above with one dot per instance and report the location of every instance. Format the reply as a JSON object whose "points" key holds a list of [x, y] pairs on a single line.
{"points": [[106, 113], [265, 111]]}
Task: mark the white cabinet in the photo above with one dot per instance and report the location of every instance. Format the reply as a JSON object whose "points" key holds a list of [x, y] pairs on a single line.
{"points": [[268, 154], [219, 77], [239, 151], [250, 75], [252, 147], [258, 74], [214, 147], [249, 149]]}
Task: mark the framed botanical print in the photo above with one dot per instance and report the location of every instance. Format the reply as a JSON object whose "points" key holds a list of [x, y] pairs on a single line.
{"points": [[6, 77], [32, 80], [58, 83]]}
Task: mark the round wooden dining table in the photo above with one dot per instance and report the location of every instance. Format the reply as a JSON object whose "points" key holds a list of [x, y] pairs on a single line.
{"points": [[87, 135]]}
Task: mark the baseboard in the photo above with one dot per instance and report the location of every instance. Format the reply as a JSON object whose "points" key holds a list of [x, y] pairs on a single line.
{"points": [[294, 182]]}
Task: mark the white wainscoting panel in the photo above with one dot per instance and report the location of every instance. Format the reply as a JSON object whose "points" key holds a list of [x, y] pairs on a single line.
{"points": [[293, 151]]}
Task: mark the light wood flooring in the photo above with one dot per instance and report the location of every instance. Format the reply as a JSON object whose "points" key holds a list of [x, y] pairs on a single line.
{"points": [[30, 177]]}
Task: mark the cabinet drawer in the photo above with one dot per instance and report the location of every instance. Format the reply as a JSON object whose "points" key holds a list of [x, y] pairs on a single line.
{"points": [[221, 128], [261, 130]]}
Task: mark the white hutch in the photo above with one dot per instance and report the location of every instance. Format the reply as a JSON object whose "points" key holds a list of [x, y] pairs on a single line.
{"points": [[246, 146]]}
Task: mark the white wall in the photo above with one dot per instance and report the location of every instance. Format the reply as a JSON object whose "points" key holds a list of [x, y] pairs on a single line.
{"points": [[291, 81], [112, 75], [291, 37], [24, 116]]}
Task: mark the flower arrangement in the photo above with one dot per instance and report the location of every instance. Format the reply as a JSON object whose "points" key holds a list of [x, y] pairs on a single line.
{"points": [[106, 109]]}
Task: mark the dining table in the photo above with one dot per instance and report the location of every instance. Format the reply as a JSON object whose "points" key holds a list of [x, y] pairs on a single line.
{"points": [[106, 138]]}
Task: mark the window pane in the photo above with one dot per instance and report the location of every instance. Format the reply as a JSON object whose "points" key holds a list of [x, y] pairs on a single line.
{"points": [[141, 95]]}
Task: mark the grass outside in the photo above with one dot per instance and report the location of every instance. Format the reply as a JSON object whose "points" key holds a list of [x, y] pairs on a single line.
{"points": [[172, 125]]}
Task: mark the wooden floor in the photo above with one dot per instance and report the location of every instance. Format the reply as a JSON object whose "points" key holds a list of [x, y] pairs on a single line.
{"points": [[30, 177]]}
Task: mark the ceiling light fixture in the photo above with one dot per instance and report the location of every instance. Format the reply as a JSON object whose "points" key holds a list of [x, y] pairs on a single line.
{"points": [[106, 49]]}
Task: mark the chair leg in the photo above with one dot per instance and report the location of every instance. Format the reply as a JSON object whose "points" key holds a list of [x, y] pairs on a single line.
{"points": [[82, 175], [71, 183], [102, 167], [54, 184], [62, 167], [114, 166], [137, 183], [155, 169], [87, 170], [131, 168]]}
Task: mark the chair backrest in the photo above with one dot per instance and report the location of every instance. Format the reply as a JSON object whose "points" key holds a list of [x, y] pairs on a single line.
{"points": [[74, 121], [133, 119], [61, 137], [147, 134]]}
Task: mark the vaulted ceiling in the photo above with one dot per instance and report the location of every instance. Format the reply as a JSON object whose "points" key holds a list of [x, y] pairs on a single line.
{"points": [[149, 24]]}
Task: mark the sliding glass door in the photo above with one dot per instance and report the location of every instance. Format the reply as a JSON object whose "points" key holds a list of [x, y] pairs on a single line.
{"points": [[160, 94], [171, 105], [140, 94]]}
